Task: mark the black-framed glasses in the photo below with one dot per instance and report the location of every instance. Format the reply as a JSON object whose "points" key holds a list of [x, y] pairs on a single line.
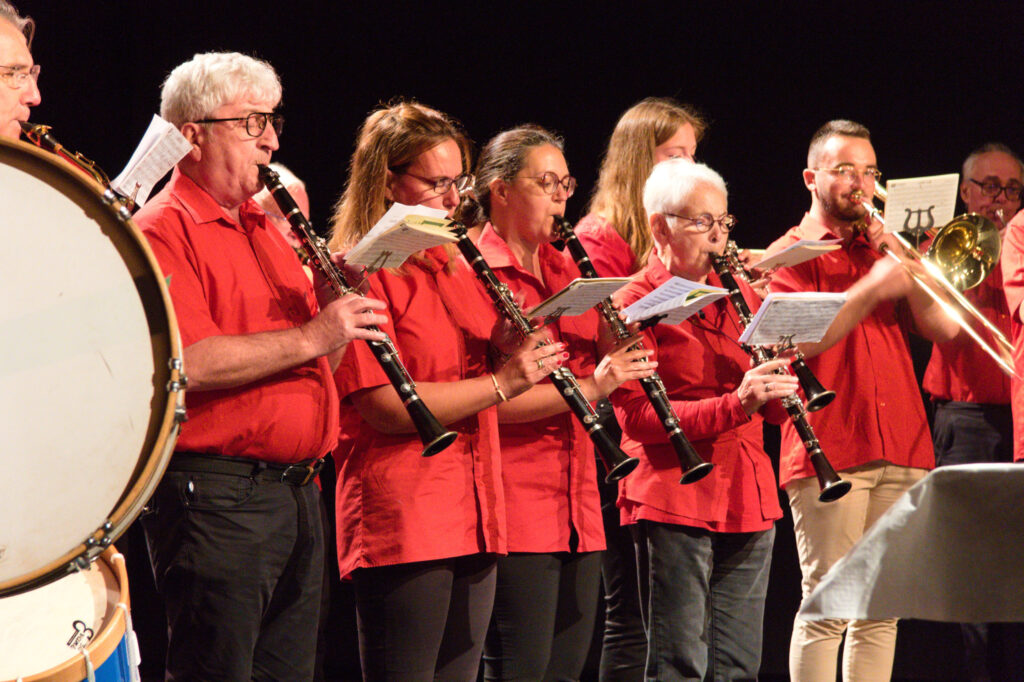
{"points": [[848, 173], [255, 123], [549, 182], [705, 222], [442, 184], [991, 188], [17, 77]]}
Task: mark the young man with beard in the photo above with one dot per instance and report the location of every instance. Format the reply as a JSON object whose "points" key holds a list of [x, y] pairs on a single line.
{"points": [[875, 432]]}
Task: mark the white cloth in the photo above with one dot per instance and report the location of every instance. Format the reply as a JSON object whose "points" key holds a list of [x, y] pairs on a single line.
{"points": [[950, 549]]}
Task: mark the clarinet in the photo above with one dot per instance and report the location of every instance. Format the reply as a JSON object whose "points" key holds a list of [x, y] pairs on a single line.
{"points": [[693, 466], [616, 462], [816, 395], [433, 435], [831, 486], [39, 135]]}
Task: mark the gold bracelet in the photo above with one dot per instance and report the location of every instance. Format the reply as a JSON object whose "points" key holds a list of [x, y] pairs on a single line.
{"points": [[497, 389]]}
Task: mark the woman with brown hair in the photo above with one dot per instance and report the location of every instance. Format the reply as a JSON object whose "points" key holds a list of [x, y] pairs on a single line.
{"points": [[547, 592], [618, 240], [420, 536]]}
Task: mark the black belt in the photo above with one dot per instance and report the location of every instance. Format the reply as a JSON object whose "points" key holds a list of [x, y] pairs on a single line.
{"points": [[297, 474]]}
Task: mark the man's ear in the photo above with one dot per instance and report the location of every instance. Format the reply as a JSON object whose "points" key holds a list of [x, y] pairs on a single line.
{"points": [[809, 181], [194, 133]]}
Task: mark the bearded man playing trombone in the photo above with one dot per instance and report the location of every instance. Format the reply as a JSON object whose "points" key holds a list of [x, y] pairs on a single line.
{"points": [[875, 432]]}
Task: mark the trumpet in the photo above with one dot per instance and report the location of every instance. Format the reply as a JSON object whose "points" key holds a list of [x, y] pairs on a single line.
{"points": [[434, 436], [617, 463], [693, 466], [964, 251], [831, 486], [816, 396]]}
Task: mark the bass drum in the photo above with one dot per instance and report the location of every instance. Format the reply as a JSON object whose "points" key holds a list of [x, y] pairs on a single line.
{"points": [[77, 628], [90, 386]]}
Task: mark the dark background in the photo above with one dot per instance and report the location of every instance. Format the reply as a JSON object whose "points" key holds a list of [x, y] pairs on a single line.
{"points": [[931, 80]]}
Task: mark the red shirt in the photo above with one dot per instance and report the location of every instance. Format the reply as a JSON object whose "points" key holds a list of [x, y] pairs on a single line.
{"points": [[877, 413], [701, 365], [394, 506], [1012, 264], [228, 278], [611, 255], [960, 369], [548, 465]]}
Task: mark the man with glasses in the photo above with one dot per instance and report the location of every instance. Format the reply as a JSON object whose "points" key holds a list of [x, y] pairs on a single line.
{"points": [[971, 395], [235, 532], [875, 432], [18, 88]]}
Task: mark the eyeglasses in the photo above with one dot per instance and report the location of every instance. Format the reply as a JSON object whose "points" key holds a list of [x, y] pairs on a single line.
{"points": [[443, 184], [549, 182], [848, 173], [17, 77], [255, 123], [705, 222], [992, 189]]}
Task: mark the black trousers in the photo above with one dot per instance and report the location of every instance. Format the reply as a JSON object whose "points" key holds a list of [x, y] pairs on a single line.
{"points": [[544, 611], [425, 620], [966, 433], [239, 563]]}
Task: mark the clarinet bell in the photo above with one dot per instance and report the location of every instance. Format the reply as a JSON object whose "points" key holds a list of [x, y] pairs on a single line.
{"points": [[817, 395], [830, 485]]}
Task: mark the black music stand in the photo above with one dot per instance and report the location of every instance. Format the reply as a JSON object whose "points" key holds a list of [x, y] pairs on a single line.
{"points": [[950, 549]]}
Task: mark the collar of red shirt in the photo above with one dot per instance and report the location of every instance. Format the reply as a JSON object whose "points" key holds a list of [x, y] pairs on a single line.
{"points": [[202, 208], [498, 255]]}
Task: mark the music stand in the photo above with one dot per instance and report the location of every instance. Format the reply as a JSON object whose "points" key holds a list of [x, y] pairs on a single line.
{"points": [[950, 549]]}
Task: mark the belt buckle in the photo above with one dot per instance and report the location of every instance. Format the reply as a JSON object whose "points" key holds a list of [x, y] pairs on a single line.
{"points": [[307, 471]]}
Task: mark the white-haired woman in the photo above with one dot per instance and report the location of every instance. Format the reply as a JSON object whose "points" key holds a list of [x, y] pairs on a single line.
{"points": [[703, 549]]}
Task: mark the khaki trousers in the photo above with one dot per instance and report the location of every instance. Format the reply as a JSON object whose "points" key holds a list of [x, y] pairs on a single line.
{"points": [[825, 531]]}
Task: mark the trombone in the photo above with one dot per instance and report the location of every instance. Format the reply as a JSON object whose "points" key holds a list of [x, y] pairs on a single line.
{"points": [[962, 254]]}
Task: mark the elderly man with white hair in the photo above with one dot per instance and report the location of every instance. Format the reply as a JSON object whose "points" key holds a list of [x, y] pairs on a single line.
{"points": [[703, 549], [235, 532]]}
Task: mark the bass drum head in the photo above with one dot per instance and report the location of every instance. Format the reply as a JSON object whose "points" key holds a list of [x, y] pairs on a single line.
{"points": [[46, 633], [86, 336]]}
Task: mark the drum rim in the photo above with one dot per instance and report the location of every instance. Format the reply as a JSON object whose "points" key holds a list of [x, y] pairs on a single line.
{"points": [[160, 445], [103, 645]]}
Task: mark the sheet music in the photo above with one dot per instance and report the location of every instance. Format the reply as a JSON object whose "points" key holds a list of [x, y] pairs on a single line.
{"points": [[920, 203], [805, 316], [392, 248], [578, 296], [798, 252], [161, 148], [676, 299], [396, 214]]}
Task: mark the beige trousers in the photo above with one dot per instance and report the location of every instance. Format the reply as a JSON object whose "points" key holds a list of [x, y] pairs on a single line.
{"points": [[825, 531]]}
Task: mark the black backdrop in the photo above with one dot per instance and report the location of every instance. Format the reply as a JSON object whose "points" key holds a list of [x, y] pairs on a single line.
{"points": [[931, 80]]}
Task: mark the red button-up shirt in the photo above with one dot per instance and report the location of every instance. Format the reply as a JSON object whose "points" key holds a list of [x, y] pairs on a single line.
{"points": [[960, 369], [702, 365], [548, 465], [608, 251], [877, 413], [1012, 263], [227, 278], [393, 505]]}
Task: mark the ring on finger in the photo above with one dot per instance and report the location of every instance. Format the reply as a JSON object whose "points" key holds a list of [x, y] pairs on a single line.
{"points": [[540, 364], [768, 386]]}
